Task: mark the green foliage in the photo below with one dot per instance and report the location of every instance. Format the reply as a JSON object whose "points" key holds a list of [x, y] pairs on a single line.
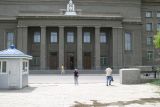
{"points": [[156, 40], [156, 82]]}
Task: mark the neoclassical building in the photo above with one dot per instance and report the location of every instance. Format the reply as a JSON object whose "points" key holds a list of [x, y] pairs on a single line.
{"points": [[81, 34]]}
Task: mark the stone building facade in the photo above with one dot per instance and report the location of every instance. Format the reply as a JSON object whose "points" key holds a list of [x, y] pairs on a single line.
{"points": [[96, 34]]}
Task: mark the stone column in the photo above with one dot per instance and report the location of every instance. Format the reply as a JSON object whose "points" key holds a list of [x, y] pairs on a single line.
{"points": [[61, 46], [25, 39], [22, 38], [79, 47], [19, 38], [117, 47], [97, 47], [43, 57]]}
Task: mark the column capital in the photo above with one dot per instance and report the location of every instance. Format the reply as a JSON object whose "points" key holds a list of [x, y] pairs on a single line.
{"points": [[97, 27], [79, 26], [21, 26], [43, 26], [118, 27], [61, 26]]}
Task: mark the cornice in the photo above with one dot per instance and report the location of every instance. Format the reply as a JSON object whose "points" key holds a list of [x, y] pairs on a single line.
{"points": [[78, 17]]}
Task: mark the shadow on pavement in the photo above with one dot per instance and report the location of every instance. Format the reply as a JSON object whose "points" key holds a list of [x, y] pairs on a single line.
{"points": [[28, 89], [95, 103]]}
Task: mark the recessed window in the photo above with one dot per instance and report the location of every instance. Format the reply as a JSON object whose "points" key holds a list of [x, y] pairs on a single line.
{"points": [[103, 38], [103, 61], [128, 41], [36, 61], [158, 14], [87, 37], [53, 38], [149, 55], [37, 37], [149, 27], [149, 40], [2, 66], [148, 14], [10, 39], [158, 26], [70, 37]]}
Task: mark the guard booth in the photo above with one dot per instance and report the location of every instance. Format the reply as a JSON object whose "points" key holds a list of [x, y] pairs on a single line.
{"points": [[14, 69]]}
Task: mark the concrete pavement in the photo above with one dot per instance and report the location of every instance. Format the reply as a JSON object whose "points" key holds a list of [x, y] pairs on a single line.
{"points": [[59, 91]]}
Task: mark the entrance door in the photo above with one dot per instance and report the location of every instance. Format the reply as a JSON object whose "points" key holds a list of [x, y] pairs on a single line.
{"points": [[87, 60], [70, 60], [53, 60], [14, 74]]}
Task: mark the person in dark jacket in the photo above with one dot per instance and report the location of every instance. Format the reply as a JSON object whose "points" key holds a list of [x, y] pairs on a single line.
{"points": [[76, 76]]}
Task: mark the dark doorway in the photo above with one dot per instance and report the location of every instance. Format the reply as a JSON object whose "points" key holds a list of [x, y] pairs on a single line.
{"points": [[70, 60], [87, 60], [53, 60]]}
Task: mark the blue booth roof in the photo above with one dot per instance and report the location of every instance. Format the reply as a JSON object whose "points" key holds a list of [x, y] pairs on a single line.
{"points": [[12, 52]]}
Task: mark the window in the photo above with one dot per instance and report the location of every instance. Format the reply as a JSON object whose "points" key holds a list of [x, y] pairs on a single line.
{"points": [[103, 38], [25, 66], [149, 40], [86, 38], [70, 37], [103, 61], [36, 61], [36, 37], [53, 37], [10, 39], [158, 14], [149, 27], [128, 41], [158, 27], [2, 66], [149, 55], [148, 14]]}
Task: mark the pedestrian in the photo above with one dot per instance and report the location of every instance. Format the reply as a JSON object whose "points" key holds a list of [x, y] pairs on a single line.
{"points": [[109, 77], [76, 75], [62, 69]]}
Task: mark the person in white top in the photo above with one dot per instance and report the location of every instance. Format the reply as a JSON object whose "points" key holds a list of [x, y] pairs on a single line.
{"points": [[62, 69], [109, 77]]}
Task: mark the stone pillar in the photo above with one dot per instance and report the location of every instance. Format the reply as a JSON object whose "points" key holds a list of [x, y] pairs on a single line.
{"points": [[25, 39], [79, 47], [97, 47], [19, 38], [61, 46], [22, 38], [43, 57], [117, 47]]}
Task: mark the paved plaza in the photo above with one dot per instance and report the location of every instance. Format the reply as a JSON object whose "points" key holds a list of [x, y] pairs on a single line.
{"points": [[60, 91]]}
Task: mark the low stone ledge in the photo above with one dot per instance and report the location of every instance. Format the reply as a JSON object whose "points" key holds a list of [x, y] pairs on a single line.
{"points": [[130, 76]]}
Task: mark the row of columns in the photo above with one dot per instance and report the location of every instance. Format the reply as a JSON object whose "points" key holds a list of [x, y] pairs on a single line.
{"points": [[117, 45]]}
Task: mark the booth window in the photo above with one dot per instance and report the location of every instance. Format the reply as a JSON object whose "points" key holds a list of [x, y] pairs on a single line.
{"points": [[2, 66], [25, 66]]}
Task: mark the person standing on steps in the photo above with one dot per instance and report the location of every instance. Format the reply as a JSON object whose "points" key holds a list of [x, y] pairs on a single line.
{"points": [[76, 75]]}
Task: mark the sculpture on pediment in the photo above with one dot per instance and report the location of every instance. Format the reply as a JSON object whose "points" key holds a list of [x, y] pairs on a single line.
{"points": [[70, 8]]}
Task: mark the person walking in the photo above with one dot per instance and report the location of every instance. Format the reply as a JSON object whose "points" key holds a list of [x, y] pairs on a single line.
{"points": [[62, 69], [109, 77], [76, 75]]}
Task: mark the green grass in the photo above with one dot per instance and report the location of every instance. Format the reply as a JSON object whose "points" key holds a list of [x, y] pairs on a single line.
{"points": [[156, 82]]}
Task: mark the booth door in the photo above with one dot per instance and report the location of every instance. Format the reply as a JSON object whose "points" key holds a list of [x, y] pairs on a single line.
{"points": [[13, 73]]}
